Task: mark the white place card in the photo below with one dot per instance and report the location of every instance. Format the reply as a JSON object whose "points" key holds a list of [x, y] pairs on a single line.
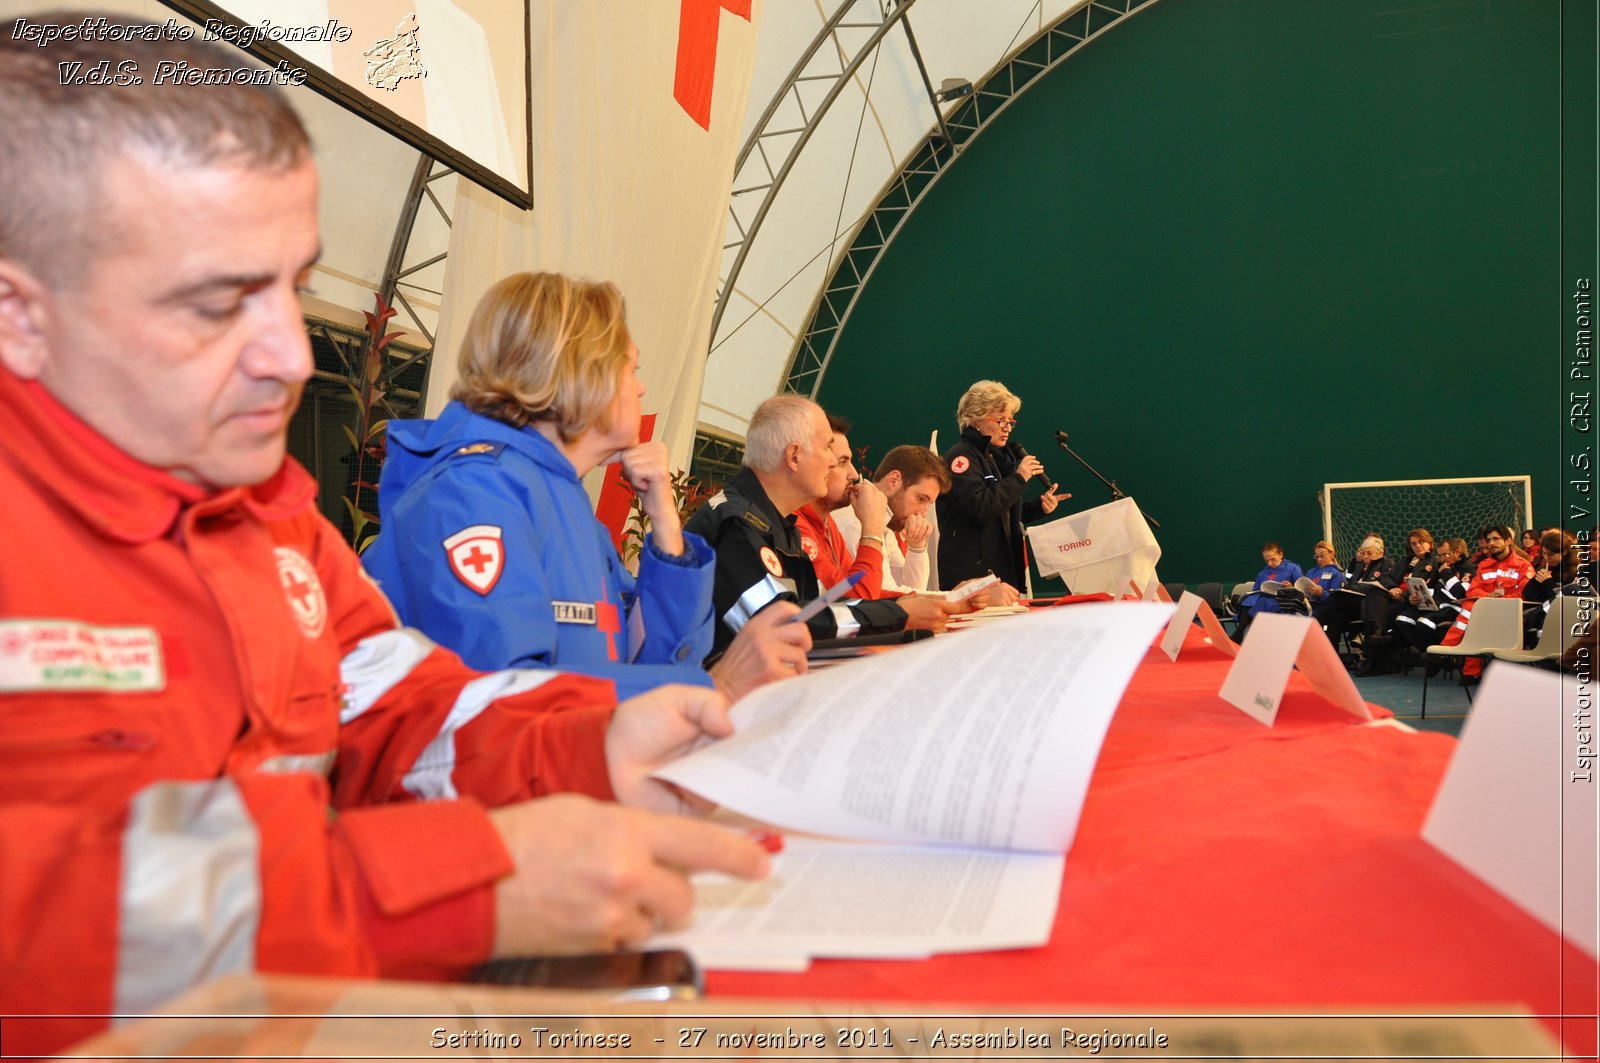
{"points": [[1518, 805], [1275, 644], [1188, 606]]}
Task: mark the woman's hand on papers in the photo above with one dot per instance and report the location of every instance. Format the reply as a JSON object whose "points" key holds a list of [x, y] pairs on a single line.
{"points": [[653, 728], [766, 648], [593, 877], [1000, 594]]}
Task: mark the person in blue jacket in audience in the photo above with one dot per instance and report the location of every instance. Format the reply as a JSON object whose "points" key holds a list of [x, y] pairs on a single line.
{"points": [[1328, 575], [489, 543], [1258, 601]]}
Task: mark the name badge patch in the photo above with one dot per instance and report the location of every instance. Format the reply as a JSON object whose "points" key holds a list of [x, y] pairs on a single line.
{"points": [[70, 655], [574, 612]]}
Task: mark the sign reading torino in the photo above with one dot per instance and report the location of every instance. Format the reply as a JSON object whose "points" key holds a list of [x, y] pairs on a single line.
{"points": [[1094, 549]]}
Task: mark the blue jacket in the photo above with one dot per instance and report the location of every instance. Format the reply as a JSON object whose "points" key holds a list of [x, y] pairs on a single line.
{"points": [[489, 545], [1255, 601], [1329, 577]]}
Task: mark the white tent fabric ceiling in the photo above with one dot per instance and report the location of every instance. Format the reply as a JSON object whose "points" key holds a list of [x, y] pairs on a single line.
{"points": [[364, 174], [875, 122]]}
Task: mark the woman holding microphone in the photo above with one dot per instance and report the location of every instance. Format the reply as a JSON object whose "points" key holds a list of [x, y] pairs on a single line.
{"points": [[981, 516]]}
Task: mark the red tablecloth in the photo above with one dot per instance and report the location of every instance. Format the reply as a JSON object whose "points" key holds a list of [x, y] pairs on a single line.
{"points": [[1221, 865]]}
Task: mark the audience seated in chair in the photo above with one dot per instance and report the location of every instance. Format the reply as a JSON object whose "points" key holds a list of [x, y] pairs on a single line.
{"points": [[1375, 650], [1365, 596], [1275, 570], [1565, 574], [1417, 627], [1328, 575], [1502, 574], [1532, 545]]}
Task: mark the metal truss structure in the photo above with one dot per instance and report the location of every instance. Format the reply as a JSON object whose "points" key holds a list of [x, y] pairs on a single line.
{"points": [[397, 273], [329, 407], [779, 148], [330, 412], [339, 354], [715, 459], [939, 150]]}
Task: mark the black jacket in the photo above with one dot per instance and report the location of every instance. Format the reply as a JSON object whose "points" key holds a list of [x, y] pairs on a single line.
{"points": [[759, 561], [1383, 571], [981, 516], [1420, 567]]}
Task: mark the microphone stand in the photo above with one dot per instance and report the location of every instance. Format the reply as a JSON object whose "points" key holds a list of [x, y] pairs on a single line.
{"points": [[1116, 492]]}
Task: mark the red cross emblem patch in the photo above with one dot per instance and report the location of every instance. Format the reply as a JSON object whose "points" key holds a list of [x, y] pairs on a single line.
{"points": [[769, 557], [303, 590], [476, 556], [960, 464]]}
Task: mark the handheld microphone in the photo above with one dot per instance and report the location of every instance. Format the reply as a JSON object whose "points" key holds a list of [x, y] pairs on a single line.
{"points": [[1019, 453]]}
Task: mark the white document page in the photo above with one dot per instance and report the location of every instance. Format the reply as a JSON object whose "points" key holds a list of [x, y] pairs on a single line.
{"points": [[967, 588], [1516, 808], [1188, 608], [845, 899], [986, 615], [984, 740]]}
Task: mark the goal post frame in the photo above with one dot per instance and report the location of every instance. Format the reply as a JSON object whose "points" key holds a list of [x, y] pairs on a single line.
{"points": [[1329, 488]]}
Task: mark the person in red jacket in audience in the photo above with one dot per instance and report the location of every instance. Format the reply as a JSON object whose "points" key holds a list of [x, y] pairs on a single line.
{"points": [[1532, 546], [220, 752], [1501, 574]]}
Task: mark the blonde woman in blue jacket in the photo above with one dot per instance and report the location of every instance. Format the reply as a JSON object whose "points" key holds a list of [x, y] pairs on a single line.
{"points": [[489, 543]]}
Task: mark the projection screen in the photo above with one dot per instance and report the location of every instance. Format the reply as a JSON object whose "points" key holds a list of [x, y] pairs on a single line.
{"points": [[449, 77]]}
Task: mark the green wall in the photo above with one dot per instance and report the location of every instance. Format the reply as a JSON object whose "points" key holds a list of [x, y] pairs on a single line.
{"points": [[1238, 248]]}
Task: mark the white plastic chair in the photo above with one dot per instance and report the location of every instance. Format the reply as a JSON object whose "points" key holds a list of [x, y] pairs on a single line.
{"points": [[1564, 624], [1493, 624]]}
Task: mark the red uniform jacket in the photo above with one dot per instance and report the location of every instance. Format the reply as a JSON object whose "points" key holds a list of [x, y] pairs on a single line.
{"points": [[171, 742], [824, 544], [1508, 577]]}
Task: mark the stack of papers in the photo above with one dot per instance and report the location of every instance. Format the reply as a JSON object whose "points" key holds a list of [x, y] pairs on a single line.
{"points": [[944, 780], [982, 616]]}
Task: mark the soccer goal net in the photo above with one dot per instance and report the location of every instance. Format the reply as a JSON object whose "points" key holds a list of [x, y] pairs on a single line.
{"points": [[1447, 508]]}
